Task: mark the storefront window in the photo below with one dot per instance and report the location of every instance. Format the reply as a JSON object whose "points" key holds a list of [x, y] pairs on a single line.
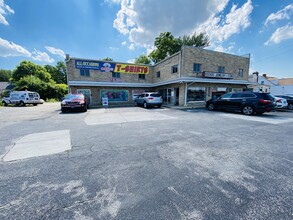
{"points": [[196, 94], [218, 91], [115, 95]]}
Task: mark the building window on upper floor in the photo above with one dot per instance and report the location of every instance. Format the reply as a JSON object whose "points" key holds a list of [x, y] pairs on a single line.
{"points": [[240, 72], [174, 69], [158, 74], [84, 72], [197, 68], [115, 75], [141, 76], [221, 69]]}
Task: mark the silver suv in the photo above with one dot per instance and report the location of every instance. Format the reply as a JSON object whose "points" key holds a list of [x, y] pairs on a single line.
{"points": [[148, 99]]}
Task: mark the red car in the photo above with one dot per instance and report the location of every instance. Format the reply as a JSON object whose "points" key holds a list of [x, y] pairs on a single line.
{"points": [[74, 101]]}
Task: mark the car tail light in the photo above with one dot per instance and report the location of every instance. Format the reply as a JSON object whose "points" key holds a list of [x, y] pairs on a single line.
{"points": [[150, 98], [279, 100], [264, 101]]}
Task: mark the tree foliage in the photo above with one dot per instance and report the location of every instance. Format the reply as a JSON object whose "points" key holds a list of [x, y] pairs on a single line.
{"points": [[5, 75], [142, 59], [166, 44], [107, 59], [58, 72], [48, 81], [27, 68]]}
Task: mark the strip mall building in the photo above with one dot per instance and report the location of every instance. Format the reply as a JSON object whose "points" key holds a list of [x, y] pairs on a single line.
{"points": [[190, 76]]}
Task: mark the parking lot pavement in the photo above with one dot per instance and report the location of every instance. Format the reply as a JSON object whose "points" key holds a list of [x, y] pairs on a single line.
{"points": [[39, 144], [190, 165], [116, 116], [265, 118]]}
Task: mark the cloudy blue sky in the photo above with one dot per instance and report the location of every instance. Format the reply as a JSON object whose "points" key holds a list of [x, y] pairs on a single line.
{"points": [[43, 31]]}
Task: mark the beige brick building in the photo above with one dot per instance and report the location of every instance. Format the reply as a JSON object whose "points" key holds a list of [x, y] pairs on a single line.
{"points": [[188, 77]]}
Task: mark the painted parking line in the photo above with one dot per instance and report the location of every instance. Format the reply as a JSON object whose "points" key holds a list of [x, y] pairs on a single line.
{"points": [[39, 144], [100, 117], [261, 118]]}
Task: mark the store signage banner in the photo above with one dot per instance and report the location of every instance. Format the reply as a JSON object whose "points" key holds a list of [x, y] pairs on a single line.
{"points": [[107, 67], [111, 67], [218, 75], [83, 64], [131, 69]]}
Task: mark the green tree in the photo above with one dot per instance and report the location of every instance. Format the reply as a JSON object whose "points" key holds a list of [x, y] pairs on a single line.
{"points": [[62, 73], [58, 72], [27, 68], [166, 44], [5, 75], [200, 40], [107, 59], [31, 83], [30, 76], [142, 59]]}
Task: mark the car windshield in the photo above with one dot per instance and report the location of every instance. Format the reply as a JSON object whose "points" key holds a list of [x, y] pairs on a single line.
{"points": [[74, 96], [155, 95]]}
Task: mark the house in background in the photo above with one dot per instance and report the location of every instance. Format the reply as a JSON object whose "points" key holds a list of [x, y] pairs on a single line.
{"points": [[261, 83], [5, 86], [271, 85]]}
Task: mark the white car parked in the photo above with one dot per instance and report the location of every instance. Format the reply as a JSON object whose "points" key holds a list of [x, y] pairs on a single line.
{"points": [[281, 102], [21, 98]]}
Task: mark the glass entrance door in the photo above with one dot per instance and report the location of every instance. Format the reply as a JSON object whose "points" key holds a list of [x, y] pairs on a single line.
{"points": [[87, 93], [171, 98]]}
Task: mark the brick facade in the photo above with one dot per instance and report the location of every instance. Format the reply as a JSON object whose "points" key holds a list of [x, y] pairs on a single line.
{"points": [[176, 76]]}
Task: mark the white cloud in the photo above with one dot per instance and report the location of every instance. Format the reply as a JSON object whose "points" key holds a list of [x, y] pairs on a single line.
{"points": [[282, 33], [220, 48], [10, 49], [131, 47], [283, 14], [142, 21], [219, 28], [56, 51], [123, 43], [41, 56], [4, 10], [112, 1], [113, 48]]}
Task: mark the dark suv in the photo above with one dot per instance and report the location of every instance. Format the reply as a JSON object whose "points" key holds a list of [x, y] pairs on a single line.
{"points": [[246, 102]]}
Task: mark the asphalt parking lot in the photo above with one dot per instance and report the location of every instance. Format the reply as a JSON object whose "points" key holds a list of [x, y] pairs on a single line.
{"points": [[135, 163]]}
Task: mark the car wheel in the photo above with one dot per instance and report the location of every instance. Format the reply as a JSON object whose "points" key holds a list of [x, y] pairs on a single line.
{"points": [[84, 109], [211, 107], [4, 103], [135, 103], [63, 110], [290, 106], [159, 106], [247, 110], [21, 104], [35, 104], [145, 105]]}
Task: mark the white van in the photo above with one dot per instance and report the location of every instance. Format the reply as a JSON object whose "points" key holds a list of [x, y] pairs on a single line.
{"points": [[22, 98]]}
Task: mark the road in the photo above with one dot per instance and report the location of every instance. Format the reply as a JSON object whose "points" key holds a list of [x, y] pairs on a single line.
{"points": [[135, 163]]}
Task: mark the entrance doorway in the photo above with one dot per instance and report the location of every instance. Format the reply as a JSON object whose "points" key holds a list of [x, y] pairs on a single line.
{"points": [[170, 96], [87, 93]]}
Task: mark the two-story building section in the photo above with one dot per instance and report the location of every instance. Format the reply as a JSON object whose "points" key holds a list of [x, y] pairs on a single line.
{"points": [[189, 76]]}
